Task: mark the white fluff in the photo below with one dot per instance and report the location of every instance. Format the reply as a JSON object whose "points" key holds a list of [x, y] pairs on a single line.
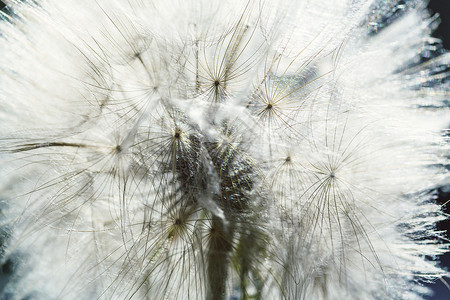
{"points": [[217, 149]]}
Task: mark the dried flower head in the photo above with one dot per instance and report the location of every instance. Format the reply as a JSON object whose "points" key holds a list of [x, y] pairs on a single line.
{"points": [[203, 149]]}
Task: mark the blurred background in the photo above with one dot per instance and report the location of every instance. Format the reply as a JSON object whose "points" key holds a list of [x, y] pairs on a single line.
{"points": [[441, 289]]}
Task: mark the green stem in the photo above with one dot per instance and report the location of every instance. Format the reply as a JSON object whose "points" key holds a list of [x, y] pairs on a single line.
{"points": [[218, 256]]}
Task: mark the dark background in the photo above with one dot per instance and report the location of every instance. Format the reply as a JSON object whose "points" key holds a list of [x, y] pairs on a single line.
{"points": [[442, 7]]}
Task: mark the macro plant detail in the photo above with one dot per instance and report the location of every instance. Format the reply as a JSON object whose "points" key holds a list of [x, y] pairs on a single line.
{"points": [[221, 149]]}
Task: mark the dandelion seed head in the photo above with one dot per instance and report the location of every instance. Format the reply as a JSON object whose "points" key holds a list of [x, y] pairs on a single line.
{"points": [[220, 149]]}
